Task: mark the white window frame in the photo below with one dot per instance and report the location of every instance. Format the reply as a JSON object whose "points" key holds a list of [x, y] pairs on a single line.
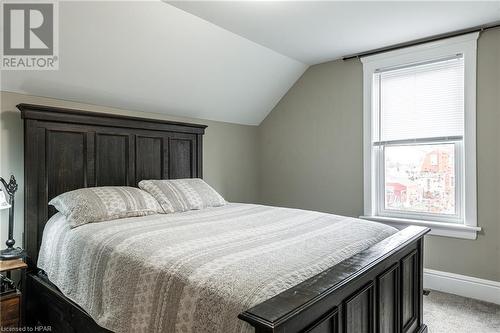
{"points": [[466, 168]]}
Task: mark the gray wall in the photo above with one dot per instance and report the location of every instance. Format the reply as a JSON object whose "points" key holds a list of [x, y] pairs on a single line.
{"points": [[230, 152], [312, 153], [311, 143]]}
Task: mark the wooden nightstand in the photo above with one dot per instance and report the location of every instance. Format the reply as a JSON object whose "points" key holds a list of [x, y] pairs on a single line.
{"points": [[11, 304]]}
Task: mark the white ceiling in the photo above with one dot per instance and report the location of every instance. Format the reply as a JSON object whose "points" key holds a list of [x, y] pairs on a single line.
{"points": [[314, 31], [231, 62], [150, 56]]}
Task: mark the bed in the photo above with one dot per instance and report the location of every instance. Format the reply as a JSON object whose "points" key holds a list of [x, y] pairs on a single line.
{"points": [[305, 271]]}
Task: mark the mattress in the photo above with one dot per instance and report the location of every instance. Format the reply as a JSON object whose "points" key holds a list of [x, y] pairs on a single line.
{"points": [[195, 271]]}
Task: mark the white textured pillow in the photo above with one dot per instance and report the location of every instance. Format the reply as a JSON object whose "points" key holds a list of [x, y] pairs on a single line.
{"points": [[179, 195], [96, 204]]}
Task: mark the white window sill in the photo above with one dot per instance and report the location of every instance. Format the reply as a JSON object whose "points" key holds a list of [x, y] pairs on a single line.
{"points": [[437, 228]]}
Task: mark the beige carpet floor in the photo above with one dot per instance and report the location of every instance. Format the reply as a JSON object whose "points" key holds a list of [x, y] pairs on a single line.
{"points": [[445, 313]]}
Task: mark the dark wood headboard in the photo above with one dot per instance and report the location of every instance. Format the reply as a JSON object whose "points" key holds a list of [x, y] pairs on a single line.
{"points": [[68, 149]]}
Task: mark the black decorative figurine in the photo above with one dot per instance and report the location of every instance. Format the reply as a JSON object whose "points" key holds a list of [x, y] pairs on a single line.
{"points": [[11, 252]]}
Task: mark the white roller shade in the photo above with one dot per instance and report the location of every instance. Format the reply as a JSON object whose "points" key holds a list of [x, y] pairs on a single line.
{"points": [[421, 101]]}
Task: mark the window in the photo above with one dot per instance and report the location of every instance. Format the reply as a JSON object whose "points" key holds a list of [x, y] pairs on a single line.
{"points": [[419, 133]]}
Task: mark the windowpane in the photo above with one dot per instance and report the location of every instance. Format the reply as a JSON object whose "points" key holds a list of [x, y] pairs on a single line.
{"points": [[419, 134], [420, 178]]}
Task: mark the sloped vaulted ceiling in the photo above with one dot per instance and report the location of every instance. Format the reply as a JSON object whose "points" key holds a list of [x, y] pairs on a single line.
{"points": [[318, 31], [221, 60], [151, 56]]}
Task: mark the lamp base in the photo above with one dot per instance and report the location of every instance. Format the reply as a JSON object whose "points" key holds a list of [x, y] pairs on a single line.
{"points": [[11, 253]]}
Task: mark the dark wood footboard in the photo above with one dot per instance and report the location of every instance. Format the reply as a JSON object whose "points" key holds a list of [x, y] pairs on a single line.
{"points": [[377, 290]]}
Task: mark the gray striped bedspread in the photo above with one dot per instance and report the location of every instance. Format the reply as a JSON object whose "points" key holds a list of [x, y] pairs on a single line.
{"points": [[195, 271]]}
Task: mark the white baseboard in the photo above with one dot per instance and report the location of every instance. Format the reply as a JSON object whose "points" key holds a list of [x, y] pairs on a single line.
{"points": [[467, 286]]}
